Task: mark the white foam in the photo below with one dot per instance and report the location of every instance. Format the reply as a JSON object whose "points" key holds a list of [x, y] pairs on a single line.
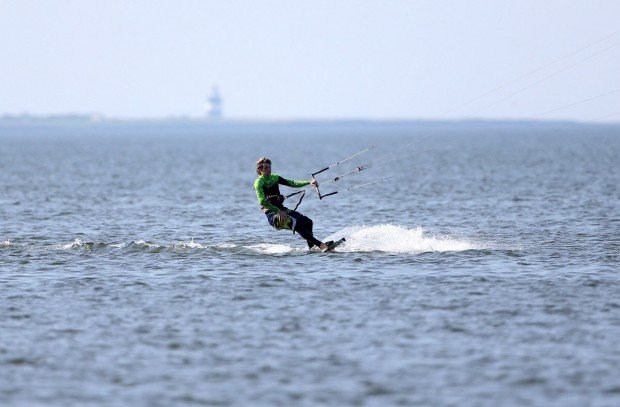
{"points": [[262, 248], [5, 243], [397, 239], [272, 248], [142, 243], [189, 245], [76, 244], [225, 246]]}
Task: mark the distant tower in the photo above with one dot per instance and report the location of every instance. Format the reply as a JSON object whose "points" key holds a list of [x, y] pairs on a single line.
{"points": [[214, 105]]}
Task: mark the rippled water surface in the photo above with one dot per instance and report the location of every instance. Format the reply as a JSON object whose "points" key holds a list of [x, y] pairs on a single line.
{"points": [[136, 269]]}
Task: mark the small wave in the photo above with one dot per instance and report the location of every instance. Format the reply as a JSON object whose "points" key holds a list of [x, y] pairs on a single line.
{"points": [[135, 245], [397, 239], [144, 243], [225, 246], [139, 245], [188, 245], [272, 248], [261, 248], [5, 243], [76, 244]]}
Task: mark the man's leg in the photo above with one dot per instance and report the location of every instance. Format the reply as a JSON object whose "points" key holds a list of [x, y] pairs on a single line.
{"points": [[304, 228]]}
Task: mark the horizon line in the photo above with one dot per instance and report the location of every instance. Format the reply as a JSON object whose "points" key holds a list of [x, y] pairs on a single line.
{"points": [[95, 118]]}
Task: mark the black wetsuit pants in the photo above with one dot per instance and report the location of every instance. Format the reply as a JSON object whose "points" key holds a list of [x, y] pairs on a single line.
{"points": [[303, 226]]}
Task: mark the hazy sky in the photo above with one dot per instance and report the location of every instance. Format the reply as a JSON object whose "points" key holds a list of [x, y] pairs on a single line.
{"points": [[311, 59]]}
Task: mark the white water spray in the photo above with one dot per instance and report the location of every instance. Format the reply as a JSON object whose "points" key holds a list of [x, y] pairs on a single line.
{"points": [[397, 239]]}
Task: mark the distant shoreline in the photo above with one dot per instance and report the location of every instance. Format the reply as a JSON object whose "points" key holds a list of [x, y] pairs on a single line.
{"points": [[98, 119], [93, 124]]}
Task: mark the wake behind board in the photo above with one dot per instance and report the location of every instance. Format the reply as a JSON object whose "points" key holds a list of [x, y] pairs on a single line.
{"points": [[333, 245]]}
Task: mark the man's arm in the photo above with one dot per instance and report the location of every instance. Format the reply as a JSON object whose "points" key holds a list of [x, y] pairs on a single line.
{"points": [[292, 183]]}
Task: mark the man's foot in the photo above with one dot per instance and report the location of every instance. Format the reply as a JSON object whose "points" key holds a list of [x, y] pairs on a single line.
{"points": [[331, 245], [325, 246]]}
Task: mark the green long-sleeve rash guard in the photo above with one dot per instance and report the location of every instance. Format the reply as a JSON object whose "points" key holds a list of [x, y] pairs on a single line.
{"points": [[267, 186]]}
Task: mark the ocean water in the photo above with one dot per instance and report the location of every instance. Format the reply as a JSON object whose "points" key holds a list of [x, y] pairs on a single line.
{"points": [[136, 269]]}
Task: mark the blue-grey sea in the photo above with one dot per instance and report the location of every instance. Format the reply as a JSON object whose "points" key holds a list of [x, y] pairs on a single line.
{"points": [[136, 268]]}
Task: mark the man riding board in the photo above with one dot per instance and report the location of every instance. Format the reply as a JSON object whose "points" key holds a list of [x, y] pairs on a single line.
{"points": [[271, 202]]}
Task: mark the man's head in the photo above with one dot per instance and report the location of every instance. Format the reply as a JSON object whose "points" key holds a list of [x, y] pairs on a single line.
{"points": [[263, 166]]}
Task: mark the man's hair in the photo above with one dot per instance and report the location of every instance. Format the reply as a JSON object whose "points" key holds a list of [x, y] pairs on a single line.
{"points": [[260, 163]]}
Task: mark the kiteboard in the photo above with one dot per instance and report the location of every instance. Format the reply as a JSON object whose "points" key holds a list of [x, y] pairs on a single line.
{"points": [[331, 246]]}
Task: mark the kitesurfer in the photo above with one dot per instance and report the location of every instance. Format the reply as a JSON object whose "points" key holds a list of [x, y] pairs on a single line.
{"points": [[271, 202]]}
